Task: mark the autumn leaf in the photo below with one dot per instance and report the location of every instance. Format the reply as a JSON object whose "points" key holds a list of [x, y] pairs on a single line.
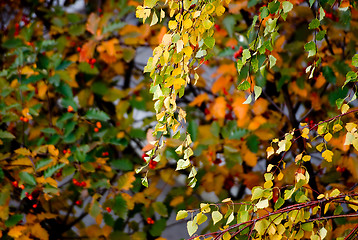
{"points": [[218, 108]]}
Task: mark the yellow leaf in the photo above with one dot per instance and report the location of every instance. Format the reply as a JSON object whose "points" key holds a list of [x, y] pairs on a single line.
{"points": [[328, 137], [306, 158], [250, 158], [280, 176], [305, 132], [320, 147], [327, 155], [176, 201], [167, 39], [337, 127], [351, 126], [188, 51], [51, 181], [268, 184], [39, 232], [53, 151], [188, 23], [270, 151], [23, 151], [125, 181], [345, 108], [16, 231], [22, 161], [320, 196]]}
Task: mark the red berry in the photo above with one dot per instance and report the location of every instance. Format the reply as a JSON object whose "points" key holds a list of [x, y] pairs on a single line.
{"points": [[238, 53], [69, 152], [30, 197], [217, 27], [22, 186], [74, 181], [108, 209], [15, 184], [78, 202], [150, 221], [232, 47], [98, 124], [152, 164], [26, 119], [21, 118], [96, 129], [34, 206], [64, 151], [78, 49], [69, 108], [83, 184]]}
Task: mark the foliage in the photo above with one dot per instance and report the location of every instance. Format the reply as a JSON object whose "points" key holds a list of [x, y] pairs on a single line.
{"points": [[239, 96]]}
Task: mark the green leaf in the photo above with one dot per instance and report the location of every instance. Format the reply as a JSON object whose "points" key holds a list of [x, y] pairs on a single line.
{"points": [[5, 134], [310, 47], [122, 164], [308, 227], [120, 206], [42, 163], [311, 2], [264, 12], [329, 74], [150, 3], [252, 143], [320, 35], [244, 85], [145, 182], [216, 216], [321, 13], [181, 215], [257, 192], [160, 208], [279, 203], [314, 24], [13, 220], [158, 227], [209, 42], [229, 23], [339, 102], [355, 60], [272, 60], [287, 6], [94, 114], [193, 129], [50, 171], [273, 6], [27, 178]]}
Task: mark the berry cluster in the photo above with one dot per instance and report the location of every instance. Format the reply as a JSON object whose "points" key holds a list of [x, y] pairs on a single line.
{"points": [[152, 164], [238, 53], [24, 119], [98, 126], [66, 151], [79, 184], [16, 185], [91, 62], [150, 221], [105, 154]]}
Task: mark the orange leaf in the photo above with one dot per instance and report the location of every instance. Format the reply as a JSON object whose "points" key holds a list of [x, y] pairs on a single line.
{"points": [[240, 109], [87, 50], [198, 100], [260, 106], [221, 83], [39, 232], [218, 108], [92, 23]]}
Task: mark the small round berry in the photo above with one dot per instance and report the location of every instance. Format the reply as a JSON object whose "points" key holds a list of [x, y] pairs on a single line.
{"points": [[78, 202], [64, 151], [98, 125], [108, 209], [70, 109], [22, 186], [78, 49], [30, 197], [15, 184], [96, 129], [34, 206]]}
